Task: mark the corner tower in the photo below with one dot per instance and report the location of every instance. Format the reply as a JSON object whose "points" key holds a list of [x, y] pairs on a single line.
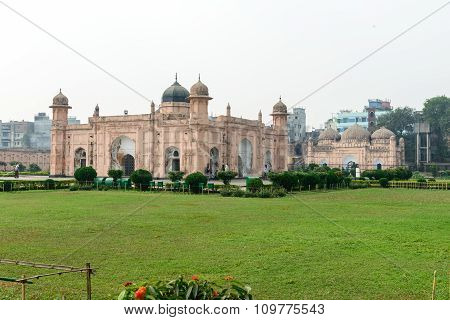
{"points": [[60, 108], [279, 116], [198, 101]]}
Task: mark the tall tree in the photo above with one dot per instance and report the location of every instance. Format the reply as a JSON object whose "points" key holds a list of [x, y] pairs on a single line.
{"points": [[437, 112], [400, 121]]}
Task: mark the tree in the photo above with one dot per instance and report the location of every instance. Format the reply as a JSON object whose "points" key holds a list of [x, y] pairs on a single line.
{"points": [[115, 174], [226, 176], [194, 180], [85, 174], [141, 179], [3, 164], [400, 121], [437, 112], [175, 176]]}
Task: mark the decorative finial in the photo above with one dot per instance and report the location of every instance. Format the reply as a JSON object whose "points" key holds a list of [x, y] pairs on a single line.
{"points": [[176, 76], [60, 90], [280, 97], [228, 105], [199, 77]]}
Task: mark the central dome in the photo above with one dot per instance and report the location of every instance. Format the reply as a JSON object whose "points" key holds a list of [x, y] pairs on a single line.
{"points": [[329, 134], [356, 132], [175, 93]]}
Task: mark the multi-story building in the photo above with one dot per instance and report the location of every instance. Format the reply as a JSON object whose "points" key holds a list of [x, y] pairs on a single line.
{"points": [[366, 118], [296, 126], [15, 134]]}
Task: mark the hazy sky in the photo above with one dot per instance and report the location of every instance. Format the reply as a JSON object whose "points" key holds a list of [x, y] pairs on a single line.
{"points": [[248, 53]]}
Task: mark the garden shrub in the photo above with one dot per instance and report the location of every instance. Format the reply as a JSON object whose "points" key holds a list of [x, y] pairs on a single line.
{"points": [[359, 184], [416, 175], [226, 176], [85, 174], [115, 174], [175, 176], [238, 193], [279, 192], [287, 180], [254, 184], [250, 194], [182, 289], [384, 182], [141, 179], [421, 180], [194, 179], [432, 180], [74, 187], [265, 194], [226, 192], [50, 184], [34, 168]]}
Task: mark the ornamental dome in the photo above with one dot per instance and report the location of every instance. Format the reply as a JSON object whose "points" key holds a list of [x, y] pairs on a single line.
{"points": [[356, 132], [383, 133], [279, 107], [175, 93], [199, 89], [60, 100], [329, 134]]}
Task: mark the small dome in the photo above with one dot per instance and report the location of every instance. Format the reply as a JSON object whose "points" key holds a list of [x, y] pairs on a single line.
{"points": [[175, 93], [279, 107], [199, 89], [329, 134], [383, 133], [60, 99], [356, 132]]}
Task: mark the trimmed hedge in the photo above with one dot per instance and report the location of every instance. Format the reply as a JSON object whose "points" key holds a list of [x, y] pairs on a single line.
{"points": [[24, 185]]}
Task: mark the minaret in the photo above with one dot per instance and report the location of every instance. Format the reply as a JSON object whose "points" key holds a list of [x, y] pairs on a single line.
{"points": [[228, 110], [198, 101], [60, 108], [152, 107], [279, 116], [96, 111], [260, 116]]}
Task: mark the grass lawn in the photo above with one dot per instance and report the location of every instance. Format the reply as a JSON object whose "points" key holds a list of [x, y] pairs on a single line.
{"points": [[351, 244]]}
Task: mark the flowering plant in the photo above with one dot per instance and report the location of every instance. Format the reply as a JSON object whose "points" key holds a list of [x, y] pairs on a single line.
{"points": [[186, 289]]}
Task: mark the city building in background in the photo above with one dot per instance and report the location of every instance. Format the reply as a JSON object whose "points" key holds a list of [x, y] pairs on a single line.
{"points": [[367, 118], [296, 126], [15, 134]]}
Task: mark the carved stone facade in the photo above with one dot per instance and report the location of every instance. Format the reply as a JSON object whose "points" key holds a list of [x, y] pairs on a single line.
{"points": [[178, 136], [26, 157], [358, 146]]}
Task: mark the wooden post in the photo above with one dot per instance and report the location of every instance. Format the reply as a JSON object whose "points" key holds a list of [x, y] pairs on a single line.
{"points": [[433, 293], [88, 281], [23, 288]]}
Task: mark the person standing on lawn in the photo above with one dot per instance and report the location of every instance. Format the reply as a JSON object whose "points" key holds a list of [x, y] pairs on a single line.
{"points": [[16, 171]]}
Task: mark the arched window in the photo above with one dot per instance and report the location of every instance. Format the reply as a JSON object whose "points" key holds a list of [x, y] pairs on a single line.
{"points": [[80, 158], [245, 158], [267, 162], [172, 159]]}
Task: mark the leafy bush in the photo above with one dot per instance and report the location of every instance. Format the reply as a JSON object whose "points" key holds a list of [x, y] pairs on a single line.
{"points": [[416, 175], [254, 184], [141, 179], [175, 176], [359, 184], [182, 289], [279, 192], [194, 179], [34, 168], [265, 194], [226, 176], [226, 192], [422, 180], [384, 183], [287, 180], [50, 183], [115, 174], [85, 174], [74, 187], [249, 194], [432, 180], [238, 193]]}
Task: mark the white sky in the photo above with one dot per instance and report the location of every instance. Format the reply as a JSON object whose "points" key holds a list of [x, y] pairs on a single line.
{"points": [[248, 53]]}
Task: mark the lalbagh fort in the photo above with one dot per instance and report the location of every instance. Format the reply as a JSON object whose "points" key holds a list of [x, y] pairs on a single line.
{"points": [[181, 136]]}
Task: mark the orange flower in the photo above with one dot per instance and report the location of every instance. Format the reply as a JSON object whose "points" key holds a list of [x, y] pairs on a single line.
{"points": [[195, 278], [140, 293], [229, 278], [215, 293], [128, 283]]}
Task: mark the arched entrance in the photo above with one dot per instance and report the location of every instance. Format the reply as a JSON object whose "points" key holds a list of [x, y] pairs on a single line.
{"points": [[267, 163], [128, 164], [80, 158], [245, 158], [123, 155], [172, 159], [213, 162]]}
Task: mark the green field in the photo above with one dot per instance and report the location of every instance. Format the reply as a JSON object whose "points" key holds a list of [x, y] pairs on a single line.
{"points": [[352, 244]]}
